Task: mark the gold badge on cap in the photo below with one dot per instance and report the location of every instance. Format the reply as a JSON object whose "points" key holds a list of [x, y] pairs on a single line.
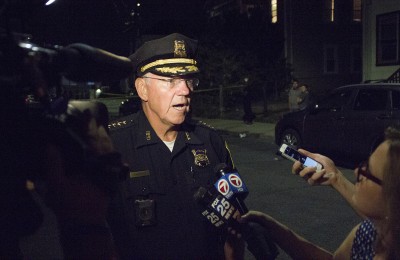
{"points": [[200, 158], [180, 49]]}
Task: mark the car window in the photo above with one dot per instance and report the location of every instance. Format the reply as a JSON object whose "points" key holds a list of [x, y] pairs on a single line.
{"points": [[396, 100], [335, 101], [371, 99]]}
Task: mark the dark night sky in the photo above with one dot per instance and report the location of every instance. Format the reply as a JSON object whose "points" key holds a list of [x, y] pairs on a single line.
{"points": [[101, 23]]}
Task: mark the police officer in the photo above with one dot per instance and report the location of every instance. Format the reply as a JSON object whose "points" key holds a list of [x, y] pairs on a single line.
{"points": [[170, 157]]}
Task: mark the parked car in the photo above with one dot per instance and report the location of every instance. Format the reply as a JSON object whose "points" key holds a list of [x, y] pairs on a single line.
{"points": [[346, 125], [129, 106]]}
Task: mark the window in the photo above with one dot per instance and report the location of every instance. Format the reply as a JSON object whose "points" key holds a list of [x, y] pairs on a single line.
{"points": [[274, 11], [357, 10], [356, 59], [330, 59], [336, 101], [388, 39], [371, 99], [329, 11]]}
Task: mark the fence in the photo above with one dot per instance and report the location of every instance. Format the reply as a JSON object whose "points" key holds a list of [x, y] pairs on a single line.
{"points": [[213, 102]]}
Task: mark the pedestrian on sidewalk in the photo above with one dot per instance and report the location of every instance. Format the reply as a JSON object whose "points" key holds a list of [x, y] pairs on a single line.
{"points": [[248, 116], [294, 96], [305, 98]]}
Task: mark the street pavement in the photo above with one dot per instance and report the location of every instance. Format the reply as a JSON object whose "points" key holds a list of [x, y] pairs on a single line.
{"points": [[310, 211]]}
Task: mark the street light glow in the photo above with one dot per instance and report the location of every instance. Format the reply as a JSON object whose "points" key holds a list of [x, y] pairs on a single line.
{"points": [[50, 2]]}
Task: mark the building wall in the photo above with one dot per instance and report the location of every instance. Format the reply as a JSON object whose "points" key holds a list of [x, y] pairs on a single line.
{"points": [[307, 35], [372, 8]]}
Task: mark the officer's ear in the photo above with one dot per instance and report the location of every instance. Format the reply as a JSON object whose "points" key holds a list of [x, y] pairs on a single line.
{"points": [[141, 88]]}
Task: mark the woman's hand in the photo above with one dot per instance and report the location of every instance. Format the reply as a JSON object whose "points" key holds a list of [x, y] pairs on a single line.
{"points": [[327, 176]]}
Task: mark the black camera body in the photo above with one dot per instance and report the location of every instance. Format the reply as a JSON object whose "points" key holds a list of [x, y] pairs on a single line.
{"points": [[27, 130], [28, 68]]}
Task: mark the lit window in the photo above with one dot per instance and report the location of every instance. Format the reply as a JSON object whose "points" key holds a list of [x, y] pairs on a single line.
{"points": [[274, 11], [357, 10], [388, 39], [329, 11]]}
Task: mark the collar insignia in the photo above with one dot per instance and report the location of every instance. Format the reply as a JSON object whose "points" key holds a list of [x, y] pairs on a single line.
{"points": [[148, 136], [200, 157], [187, 136]]}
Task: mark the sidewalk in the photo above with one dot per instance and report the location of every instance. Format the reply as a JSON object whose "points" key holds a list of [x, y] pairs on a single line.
{"points": [[237, 127]]}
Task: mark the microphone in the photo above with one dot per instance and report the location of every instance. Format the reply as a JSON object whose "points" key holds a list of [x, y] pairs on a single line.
{"points": [[81, 62], [221, 213], [231, 186]]}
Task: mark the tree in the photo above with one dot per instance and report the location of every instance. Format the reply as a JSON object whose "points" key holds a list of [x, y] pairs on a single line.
{"points": [[236, 46]]}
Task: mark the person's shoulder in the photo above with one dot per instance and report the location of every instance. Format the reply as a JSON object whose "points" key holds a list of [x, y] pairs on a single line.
{"points": [[199, 125], [121, 124], [205, 131]]}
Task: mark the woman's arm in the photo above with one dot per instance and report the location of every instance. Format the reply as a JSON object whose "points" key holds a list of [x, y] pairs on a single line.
{"points": [[293, 244]]}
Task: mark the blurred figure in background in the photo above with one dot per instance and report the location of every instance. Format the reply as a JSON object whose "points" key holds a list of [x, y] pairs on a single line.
{"points": [[305, 98], [248, 116], [294, 96], [64, 169]]}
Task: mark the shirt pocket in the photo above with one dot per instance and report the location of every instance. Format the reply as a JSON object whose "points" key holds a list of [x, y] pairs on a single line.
{"points": [[201, 176], [142, 184], [139, 188]]}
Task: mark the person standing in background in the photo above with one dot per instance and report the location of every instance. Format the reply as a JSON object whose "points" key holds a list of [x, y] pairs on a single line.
{"points": [[294, 96], [304, 97], [248, 116]]}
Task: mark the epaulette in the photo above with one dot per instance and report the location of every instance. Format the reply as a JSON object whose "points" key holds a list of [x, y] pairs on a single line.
{"points": [[119, 124]]}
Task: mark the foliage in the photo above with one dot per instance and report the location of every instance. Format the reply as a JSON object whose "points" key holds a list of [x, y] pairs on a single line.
{"points": [[236, 46]]}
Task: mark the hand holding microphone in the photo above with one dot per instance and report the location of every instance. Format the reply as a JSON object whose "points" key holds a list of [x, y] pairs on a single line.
{"points": [[224, 206]]}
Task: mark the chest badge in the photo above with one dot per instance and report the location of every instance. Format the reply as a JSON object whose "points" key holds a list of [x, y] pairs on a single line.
{"points": [[200, 157]]}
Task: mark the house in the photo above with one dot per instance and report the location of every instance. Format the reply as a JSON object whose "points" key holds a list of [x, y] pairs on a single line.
{"points": [[381, 40], [329, 43], [323, 42], [322, 38]]}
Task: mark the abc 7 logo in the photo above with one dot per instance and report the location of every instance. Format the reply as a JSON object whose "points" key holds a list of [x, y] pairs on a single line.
{"points": [[224, 186]]}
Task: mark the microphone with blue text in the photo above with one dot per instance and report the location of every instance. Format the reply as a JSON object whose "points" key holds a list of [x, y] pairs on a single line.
{"points": [[224, 205], [231, 186]]}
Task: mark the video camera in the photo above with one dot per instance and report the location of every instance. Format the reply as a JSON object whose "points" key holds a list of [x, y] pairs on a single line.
{"points": [[27, 68]]}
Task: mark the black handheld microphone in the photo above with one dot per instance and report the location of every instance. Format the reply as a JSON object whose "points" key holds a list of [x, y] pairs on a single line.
{"points": [[81, 62], [222, 213], [219, 211]]}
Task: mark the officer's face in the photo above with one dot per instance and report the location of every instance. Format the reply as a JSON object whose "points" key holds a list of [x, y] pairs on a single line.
{"points": [[166, 101]]}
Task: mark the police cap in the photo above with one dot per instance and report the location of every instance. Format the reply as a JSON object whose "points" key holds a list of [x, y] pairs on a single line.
{"points": [[172, 55]]}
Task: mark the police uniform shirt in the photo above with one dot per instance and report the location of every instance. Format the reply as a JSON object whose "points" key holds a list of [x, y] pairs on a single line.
{"points": [[176, 229]]}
